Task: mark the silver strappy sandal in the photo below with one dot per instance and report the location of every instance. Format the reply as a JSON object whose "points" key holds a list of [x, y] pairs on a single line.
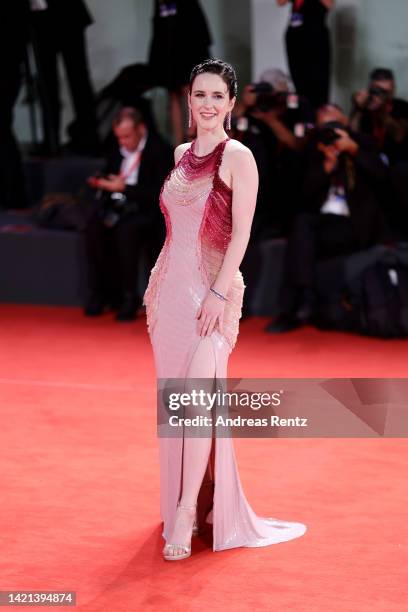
{"points": [[169, 549]]}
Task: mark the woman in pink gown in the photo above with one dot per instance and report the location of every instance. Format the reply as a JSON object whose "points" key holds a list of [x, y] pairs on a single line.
{"points": [[193, 306]]}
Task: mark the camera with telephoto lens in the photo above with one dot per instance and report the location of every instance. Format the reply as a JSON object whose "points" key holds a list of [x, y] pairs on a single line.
{"points": [[268, 99], [112, 206], [326, 134], [377, 92]]}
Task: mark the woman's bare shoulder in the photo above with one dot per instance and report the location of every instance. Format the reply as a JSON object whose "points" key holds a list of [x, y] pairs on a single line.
{"points": [[237, 153], [180, 150]]}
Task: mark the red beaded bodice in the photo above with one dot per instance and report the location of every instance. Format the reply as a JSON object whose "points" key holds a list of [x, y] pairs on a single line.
{"points": [[197, 206]]}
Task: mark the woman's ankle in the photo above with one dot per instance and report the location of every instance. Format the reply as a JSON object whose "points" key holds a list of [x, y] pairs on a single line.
{"points": [[187, 505]]}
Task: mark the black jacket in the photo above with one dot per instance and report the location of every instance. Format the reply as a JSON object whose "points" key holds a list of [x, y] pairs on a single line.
{"points": [[156, 163], [364, 187]]}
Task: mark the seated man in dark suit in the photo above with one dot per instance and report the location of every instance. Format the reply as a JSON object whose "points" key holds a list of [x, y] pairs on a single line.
{"points": [[341, 211], [126, 213]]}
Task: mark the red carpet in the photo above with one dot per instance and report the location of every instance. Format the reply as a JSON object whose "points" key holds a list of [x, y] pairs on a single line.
{"points": [[80, 491]]}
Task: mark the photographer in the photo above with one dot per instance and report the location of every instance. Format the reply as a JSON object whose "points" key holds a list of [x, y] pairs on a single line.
{"points": [[267, 120], [277, 109], [378, 113], [341, 211], [126, 212]]}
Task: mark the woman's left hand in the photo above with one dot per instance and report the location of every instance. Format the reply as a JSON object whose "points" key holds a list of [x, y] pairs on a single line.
{"points": [[211, 310]]}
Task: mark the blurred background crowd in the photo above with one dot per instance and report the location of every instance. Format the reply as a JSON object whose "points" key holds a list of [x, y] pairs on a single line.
{"points": [[333, 179]]}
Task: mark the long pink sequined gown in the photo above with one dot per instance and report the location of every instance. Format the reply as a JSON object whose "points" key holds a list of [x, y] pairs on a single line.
{"points": [[196, 204]]}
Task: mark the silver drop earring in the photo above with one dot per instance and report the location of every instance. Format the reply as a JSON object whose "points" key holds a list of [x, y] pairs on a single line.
{"points": [[228, 127], [190, 118]]}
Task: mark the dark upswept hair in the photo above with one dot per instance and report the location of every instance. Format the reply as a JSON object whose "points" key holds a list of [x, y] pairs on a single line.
{"points": [[217, 66]]}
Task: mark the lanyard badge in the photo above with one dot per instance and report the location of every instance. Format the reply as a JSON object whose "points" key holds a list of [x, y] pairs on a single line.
{"points": [[167, 9], [296, 19]]}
